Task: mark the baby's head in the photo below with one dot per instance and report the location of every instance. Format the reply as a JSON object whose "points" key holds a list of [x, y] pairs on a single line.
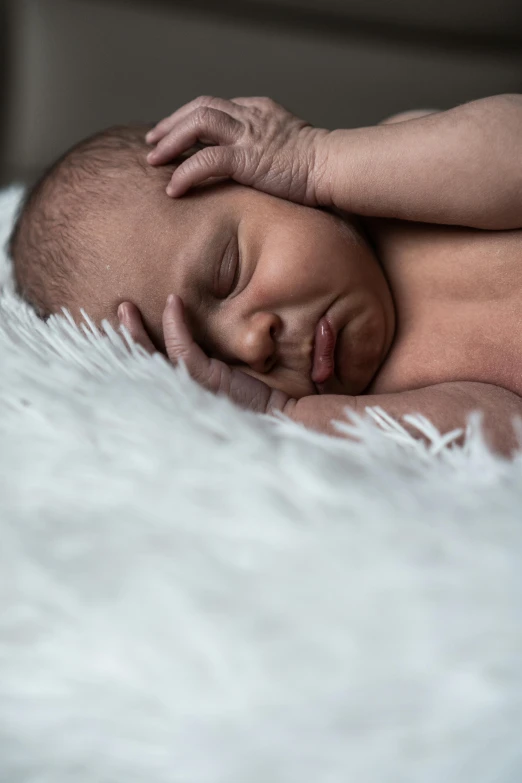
{"points": [[60, 240], [255, 273]]}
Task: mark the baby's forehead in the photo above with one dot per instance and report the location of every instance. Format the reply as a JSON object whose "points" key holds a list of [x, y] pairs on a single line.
{"points": [[142, 233]]}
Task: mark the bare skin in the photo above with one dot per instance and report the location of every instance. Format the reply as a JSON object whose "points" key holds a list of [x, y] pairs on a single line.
{"points": [[458, 340], [454, 343], [457, 293]]}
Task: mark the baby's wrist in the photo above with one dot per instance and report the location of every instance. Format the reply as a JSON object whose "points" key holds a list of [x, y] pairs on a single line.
{"points": [[345, 173], [334, 168], [322, 169]]}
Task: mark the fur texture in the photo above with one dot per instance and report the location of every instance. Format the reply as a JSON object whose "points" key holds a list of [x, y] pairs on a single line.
{"points": [[190, 593]]}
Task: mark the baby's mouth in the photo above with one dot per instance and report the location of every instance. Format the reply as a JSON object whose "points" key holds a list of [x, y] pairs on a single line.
{"points": [[323, 357]]}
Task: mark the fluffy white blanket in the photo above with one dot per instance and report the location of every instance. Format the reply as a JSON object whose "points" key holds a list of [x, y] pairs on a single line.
{"points": [[190, 593]]}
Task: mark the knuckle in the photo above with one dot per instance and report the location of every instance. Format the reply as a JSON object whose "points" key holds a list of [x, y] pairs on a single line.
{"points": [[200, 113], [240, 158], [169, 322], [203, 99], [200, 159], [206, 157], [175, 349], [204, 115], [222, 160]]}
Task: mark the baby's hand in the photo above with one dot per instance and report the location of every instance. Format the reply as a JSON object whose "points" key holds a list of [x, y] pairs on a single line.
{"points": [[218, 377], [255, 141]]}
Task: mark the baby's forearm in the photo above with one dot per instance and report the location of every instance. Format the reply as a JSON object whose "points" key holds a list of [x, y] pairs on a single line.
{"points": [[460, 167], [446, 405]]}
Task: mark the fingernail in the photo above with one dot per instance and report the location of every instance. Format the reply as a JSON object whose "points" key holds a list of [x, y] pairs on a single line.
{"points": [[121, 312], [151, 156], [170, 190], [150, 136], [170, 299]]}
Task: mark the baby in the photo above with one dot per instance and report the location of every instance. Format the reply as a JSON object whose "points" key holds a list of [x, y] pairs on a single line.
{"points": [[308, 270]]}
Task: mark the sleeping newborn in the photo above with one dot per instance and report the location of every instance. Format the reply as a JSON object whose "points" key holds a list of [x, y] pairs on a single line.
{"points": [[327, 306]]}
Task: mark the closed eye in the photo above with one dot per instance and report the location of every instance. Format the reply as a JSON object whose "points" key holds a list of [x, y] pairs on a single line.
{"points": [[230, 269]]}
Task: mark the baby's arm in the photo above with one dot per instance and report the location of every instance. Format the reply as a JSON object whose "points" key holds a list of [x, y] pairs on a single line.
{"points": [[446, 405], [460, 167]]}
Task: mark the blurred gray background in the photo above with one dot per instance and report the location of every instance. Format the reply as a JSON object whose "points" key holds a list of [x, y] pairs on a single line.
{"points": [[70, 67]]}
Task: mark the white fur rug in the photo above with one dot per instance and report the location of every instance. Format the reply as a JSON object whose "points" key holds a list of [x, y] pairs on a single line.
{"points": [[190, 593]]}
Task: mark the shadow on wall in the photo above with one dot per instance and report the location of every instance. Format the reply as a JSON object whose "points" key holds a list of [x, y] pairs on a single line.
{"points": [[473, 25], [74, 66]]}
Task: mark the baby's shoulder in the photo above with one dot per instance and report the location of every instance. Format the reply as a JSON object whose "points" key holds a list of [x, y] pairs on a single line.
{"points": [[393, 239], [458, 295]]}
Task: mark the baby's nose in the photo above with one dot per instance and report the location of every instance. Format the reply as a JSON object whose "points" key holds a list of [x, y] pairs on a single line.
{"points": [[259, 342]]}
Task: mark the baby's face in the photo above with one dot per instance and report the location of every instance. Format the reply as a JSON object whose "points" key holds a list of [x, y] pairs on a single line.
{"points": [[255, 274]]}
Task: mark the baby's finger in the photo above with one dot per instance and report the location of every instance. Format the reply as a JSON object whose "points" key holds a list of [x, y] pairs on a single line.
{"points": [[205, 164], [179, 342], [167, 124], [130, 317], [203, 125]]}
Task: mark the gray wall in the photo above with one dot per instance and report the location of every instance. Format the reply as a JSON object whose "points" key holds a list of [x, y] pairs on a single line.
{"points": [[75, 66]]}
